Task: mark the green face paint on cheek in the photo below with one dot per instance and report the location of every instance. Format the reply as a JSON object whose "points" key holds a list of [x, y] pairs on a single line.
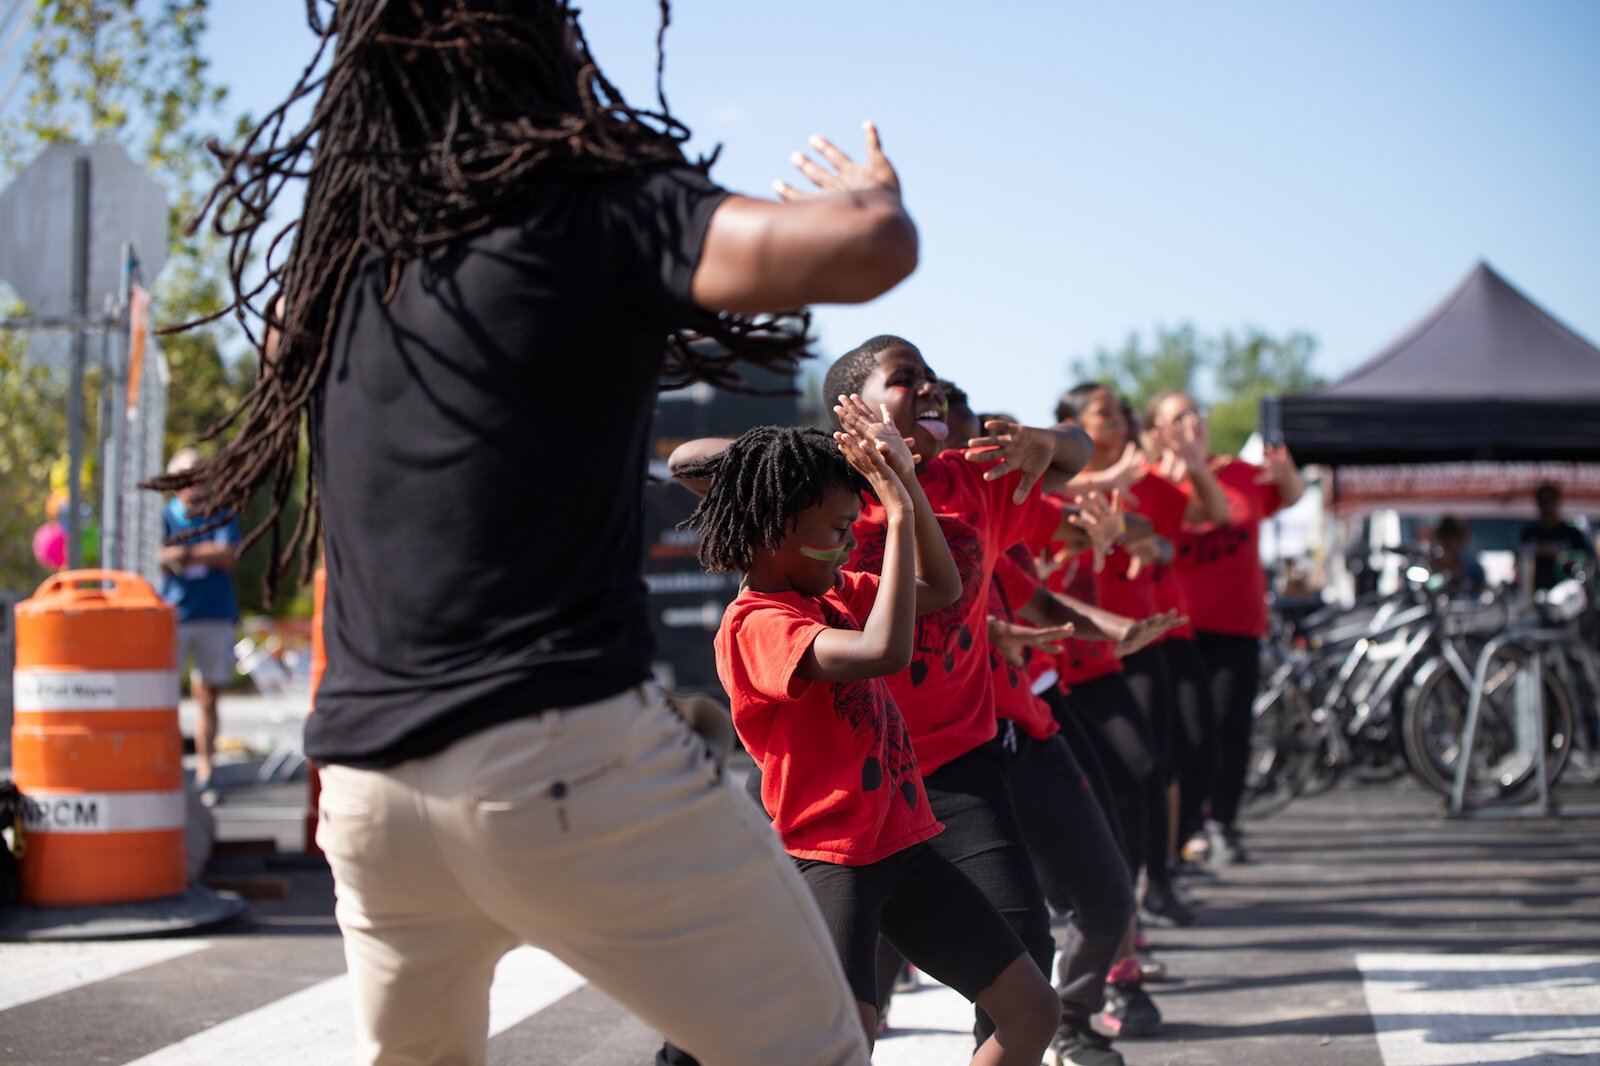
{"points": [[825, 555]]}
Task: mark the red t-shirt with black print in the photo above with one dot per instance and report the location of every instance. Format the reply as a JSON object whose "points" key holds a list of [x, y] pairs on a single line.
{"points": [[839, 776], [1081, 660], [1013, 686], [1163, 503], [947, 695], [1220, 565]]}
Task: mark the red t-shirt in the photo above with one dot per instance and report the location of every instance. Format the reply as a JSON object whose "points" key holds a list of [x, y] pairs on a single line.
{"points": [[1220, 565], [1163, 503], [1081, 660], [1013, 686], [839, 776], [947, 695]]}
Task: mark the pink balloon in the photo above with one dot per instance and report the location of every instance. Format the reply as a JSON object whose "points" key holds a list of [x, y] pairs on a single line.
{"points": [[50, 545]]}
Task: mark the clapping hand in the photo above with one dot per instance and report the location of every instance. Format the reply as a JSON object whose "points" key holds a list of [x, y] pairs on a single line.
{"points": [[866, 457], [1103, 522], [1184, 448], [1277, 462], [878, 428]]}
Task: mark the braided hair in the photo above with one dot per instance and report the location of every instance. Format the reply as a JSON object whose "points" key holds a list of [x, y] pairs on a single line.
{"points": [[436, 120], [759, 484]]}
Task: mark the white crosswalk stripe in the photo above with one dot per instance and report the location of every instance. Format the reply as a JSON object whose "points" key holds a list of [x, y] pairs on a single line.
{"points": [[315, 1026], [31, 972], [929, 1027], [1435, 1010]]}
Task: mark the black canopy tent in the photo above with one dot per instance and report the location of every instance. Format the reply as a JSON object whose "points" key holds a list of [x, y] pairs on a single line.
{"points": [[1486, 375]]}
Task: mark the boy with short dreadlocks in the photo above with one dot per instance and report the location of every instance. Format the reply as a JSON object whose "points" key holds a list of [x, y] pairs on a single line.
{"points": [[496, 252], [803, 651]]}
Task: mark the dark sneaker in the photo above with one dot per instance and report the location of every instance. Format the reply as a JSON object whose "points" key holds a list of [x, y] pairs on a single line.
{"points": [[1078, 1044], [1130, 1011], [1163, 910]]}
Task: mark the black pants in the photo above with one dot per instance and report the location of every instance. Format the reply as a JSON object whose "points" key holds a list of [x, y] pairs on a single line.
{"points": [[1113, 710], [1234, 664], [1194, 752], [1079, 865], [1151, 681]]}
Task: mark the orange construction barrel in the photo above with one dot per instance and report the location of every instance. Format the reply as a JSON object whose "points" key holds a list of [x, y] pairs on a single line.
{"points": [[319, 663], [96, 750]]}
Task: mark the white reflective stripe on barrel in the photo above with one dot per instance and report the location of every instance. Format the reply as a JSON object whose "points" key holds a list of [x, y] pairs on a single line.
{"points": [[95, 690], [46, 811]]}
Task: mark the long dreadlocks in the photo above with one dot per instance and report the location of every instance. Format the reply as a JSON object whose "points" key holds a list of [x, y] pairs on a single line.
{"points": [[435, 119], [759, 483]]}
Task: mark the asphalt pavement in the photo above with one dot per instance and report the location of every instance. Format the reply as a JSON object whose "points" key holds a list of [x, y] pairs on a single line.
{"points": [[1365, 929]]}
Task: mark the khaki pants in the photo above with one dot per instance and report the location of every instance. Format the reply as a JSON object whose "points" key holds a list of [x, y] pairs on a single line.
{"points": [[605, 835]]}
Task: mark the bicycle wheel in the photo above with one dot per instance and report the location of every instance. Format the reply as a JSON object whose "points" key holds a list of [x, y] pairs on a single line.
{"points": [[1285, 750], [1503, 758]]}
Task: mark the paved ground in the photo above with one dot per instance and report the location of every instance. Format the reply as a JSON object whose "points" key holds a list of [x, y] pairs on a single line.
{"points": [[1366, 930]]}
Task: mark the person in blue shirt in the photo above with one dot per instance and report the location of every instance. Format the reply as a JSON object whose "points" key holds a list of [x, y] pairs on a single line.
{"points": [[198, 579]]}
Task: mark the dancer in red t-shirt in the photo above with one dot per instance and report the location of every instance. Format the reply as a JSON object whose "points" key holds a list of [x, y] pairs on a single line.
{"points": [[802, 652], [1126, 585], [985, 499], [1219, 564]]}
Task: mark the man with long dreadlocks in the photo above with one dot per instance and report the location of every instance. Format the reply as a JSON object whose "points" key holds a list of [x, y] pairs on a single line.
{"points": [[499, 260]]}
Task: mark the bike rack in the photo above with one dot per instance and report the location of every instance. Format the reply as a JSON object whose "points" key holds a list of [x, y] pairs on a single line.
{"points": [[1533, 641]]}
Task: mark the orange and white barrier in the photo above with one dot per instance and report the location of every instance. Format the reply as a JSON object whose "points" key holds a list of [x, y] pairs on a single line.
{"points": [[96, 749], [319, 664]]}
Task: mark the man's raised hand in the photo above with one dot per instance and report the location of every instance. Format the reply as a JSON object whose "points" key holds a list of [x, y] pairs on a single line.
{"points": [[846, 174]]}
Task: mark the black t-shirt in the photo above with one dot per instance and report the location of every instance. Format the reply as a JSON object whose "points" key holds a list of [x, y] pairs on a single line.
{"points": [[480, 459], [1548, 542]]}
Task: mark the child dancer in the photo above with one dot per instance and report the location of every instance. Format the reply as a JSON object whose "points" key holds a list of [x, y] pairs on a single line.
{"points": [[1223, 580], [1127, 586], [802, 652]]}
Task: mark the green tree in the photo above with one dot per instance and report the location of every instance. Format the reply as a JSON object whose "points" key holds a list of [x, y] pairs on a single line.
{"points": [[1248, 367], [129, 71], [1241, 369], [1172, 362]]}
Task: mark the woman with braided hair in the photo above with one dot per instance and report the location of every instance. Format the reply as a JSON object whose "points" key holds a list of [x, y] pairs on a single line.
{"points": [[497, 252]]}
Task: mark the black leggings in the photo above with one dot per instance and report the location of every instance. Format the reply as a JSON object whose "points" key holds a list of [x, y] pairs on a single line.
{"points": [[1092, 750], [1151, 681], [1108, 704], [982, 837], [923, 906], [1195, 756], [1079, 864], [1234, 663]]}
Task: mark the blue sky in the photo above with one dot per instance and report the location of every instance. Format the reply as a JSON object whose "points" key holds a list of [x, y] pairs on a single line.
{"points": [[1080, 171]]}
